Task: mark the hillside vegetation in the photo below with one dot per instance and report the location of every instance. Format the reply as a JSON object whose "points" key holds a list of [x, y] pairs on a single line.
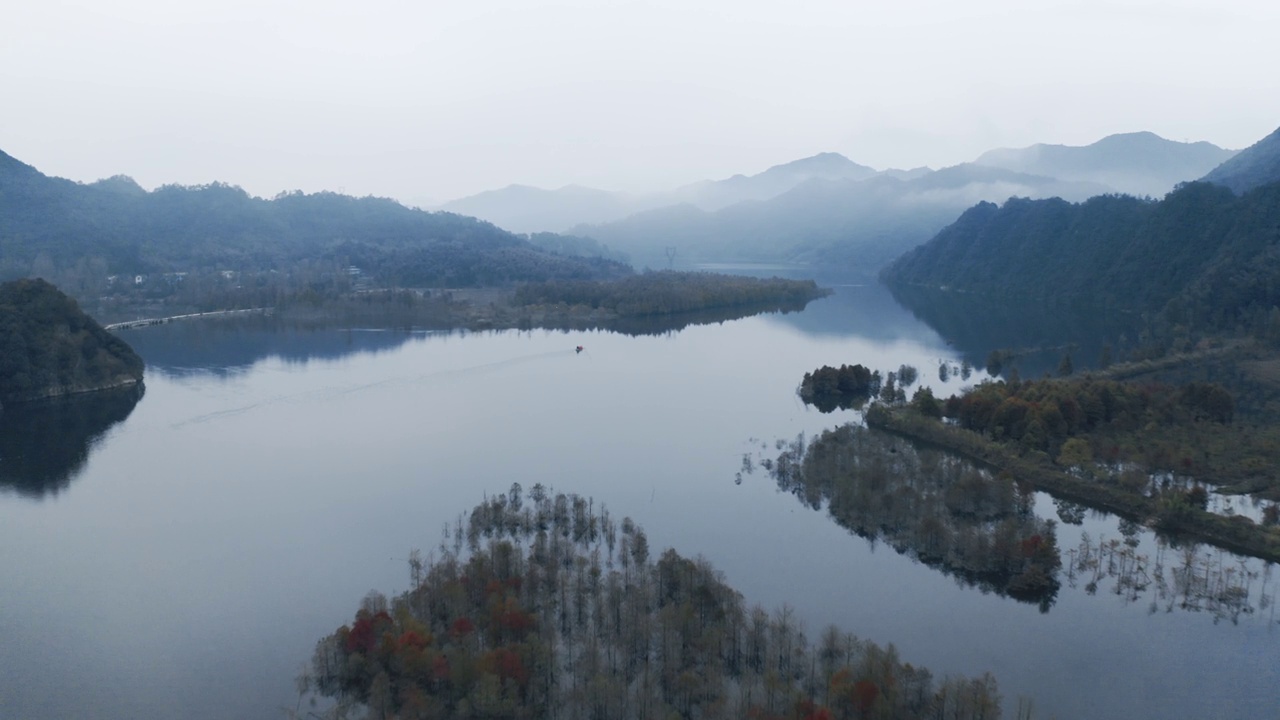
{"points": [[1206, 257], [109, 235], [48, 347]]}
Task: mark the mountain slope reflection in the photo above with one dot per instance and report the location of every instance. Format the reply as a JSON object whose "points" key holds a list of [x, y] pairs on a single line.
{"points": [[1038, 334], [44, 446]]}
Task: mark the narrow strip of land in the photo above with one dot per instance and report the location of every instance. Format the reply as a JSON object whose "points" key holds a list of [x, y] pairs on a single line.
{"points": [[146, 322], [1236, 534]]}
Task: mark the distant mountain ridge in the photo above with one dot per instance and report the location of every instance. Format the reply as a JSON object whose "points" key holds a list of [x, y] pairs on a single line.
{"points": [[716, 194], [525, 209], [861, 224], [828, 209], [1140, 163]]}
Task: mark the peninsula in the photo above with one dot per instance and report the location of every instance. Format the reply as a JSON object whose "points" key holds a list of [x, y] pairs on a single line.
{"points": [[50, 348]]}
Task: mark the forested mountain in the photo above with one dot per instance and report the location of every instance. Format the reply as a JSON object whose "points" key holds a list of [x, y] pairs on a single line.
{"points": [[1203, 255], [860, 224], [1256, 165], [528, 209], [48, 347], [1140, 163], [56, 228]]}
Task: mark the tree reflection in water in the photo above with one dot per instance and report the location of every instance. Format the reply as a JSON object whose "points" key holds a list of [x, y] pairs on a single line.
{"points": [[1188, 577], [44, 445], [929, 505], [982, 529]]}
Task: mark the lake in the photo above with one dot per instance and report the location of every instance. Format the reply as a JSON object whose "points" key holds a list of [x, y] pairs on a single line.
{"points": [[181, 557]]}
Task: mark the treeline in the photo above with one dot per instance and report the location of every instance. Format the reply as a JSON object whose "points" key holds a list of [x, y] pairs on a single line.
{"points": [[935, 507], [1185, 430], [545, 607], [49, 347], [1202, 258], [667, 292]]}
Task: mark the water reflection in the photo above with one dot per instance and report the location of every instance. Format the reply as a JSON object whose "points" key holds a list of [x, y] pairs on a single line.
{"points": [[984, 529], [1039, 335], [664, 324], [228, 346], [44, 446], [1190, 577], [934, 507]]}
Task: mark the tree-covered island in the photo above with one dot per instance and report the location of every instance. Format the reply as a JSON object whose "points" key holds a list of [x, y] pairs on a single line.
{"points": [[544, 606]]}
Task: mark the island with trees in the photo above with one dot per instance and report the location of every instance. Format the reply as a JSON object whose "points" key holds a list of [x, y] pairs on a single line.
{"points": [[544, 606]]}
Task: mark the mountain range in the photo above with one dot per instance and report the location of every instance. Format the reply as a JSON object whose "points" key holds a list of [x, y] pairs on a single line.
{"points": [[829, 209], [525, 209], [1141, 163], [81, 234]]}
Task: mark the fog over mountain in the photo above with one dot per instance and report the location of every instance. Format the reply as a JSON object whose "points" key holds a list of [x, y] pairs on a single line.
{"points": [[526, 209], [859, 224], [828, 208], [1204, 255]]}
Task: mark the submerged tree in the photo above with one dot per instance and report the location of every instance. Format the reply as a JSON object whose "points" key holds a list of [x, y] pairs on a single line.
{"points": [[555, 611]]}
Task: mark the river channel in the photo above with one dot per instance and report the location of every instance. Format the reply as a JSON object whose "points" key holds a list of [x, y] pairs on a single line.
{"points": [[181, 556]]}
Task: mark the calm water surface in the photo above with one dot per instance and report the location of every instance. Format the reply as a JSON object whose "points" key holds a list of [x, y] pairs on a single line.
{"points": [[187, 560]]}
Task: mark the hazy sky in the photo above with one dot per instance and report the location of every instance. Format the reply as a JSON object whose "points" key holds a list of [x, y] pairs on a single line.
{"points": [[432, 100]]}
